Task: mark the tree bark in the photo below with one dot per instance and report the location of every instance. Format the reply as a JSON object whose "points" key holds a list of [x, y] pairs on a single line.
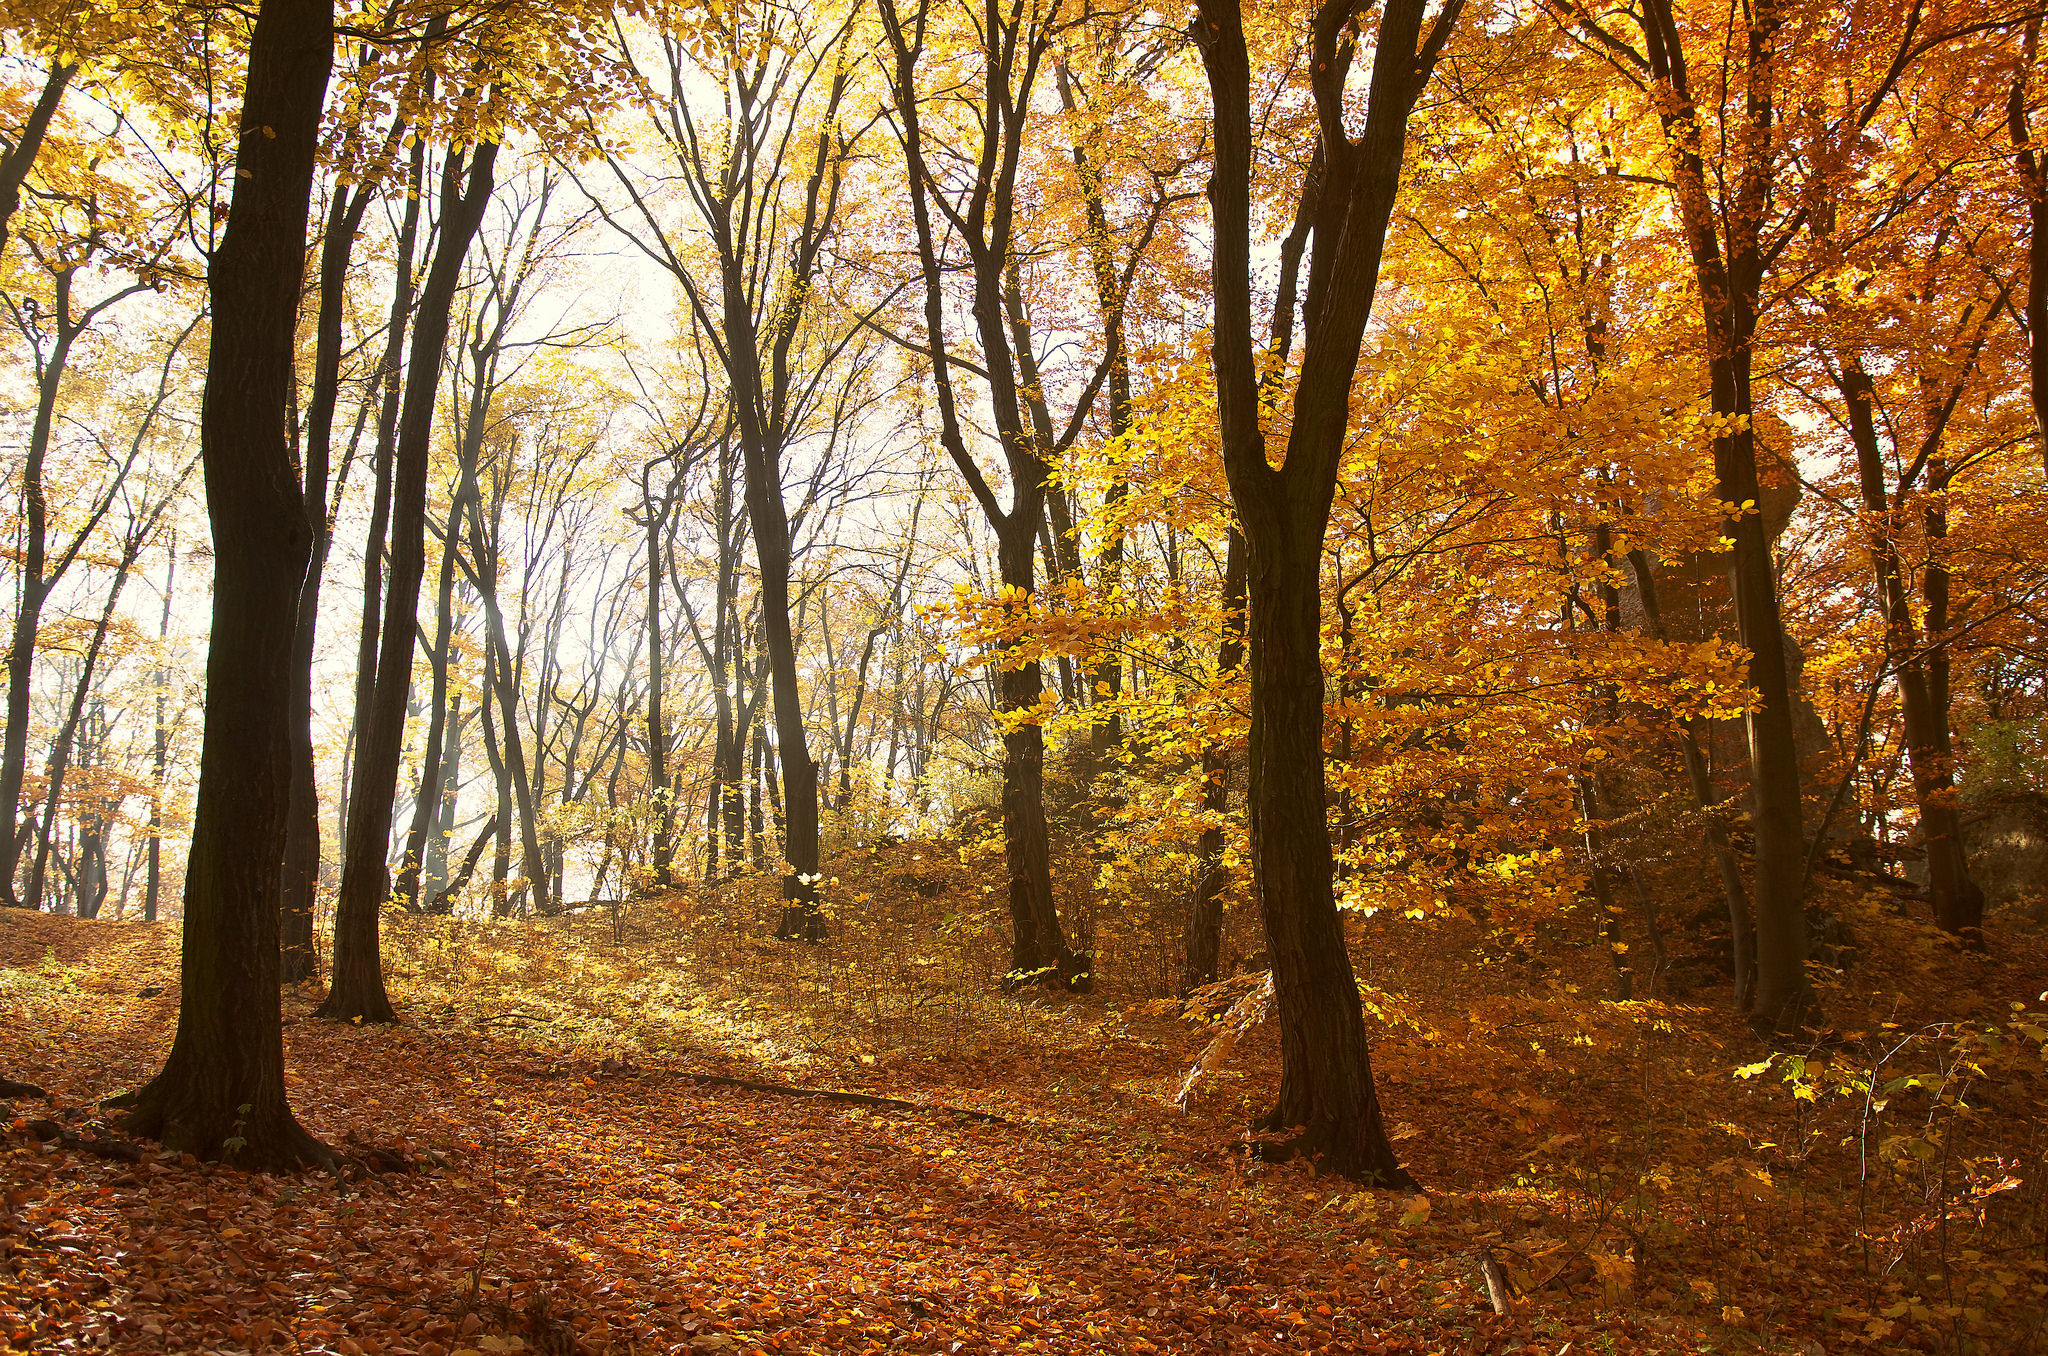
{"points": [[20, 157], [1730, 285], [1327, 1108], [301, 961], [160, 751], [1910, 653], [1734, 892], [2034, 185], [1039, 950], [221, 1092]]}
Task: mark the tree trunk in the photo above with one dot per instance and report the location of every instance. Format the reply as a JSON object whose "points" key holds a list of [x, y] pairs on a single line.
{"points": [[357, 991], [300, 960], [2034, 184], [427, 807], [1730, 285], [434, 872], [160, 752], [655, 523], [1741, 932], [1910, 653], [35, 590], [221, 1092], [1205, 913], [1327, 1107]]}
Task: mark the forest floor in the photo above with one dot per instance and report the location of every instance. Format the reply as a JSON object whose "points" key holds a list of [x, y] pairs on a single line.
{"points": [[582, 1189]]}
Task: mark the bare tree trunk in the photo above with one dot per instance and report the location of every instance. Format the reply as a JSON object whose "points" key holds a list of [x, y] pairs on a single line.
{"points": [[221, 1091], [1212, 877], [357, 991], [300, 960], [160, 755]]}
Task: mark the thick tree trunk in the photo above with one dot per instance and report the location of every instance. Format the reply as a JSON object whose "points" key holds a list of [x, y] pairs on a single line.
{"points": [[221, 1092], [1783, 998], [1327, 1107], [1038, 953], [357, 991]]}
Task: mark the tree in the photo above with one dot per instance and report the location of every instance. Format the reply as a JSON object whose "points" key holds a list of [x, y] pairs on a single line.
{"points": [[221, 1092], [768, 186], [979, 204], [357, 990], [1327, 1106]]}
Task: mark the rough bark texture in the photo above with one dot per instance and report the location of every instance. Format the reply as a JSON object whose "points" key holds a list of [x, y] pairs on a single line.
{"points": [[222, 1092]]}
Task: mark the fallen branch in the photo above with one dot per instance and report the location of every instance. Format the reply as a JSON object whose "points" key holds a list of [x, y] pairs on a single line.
{"points": [[1500, 1291], [790, 1090], [103, 1148], [836, 1095], [10, 1089]]}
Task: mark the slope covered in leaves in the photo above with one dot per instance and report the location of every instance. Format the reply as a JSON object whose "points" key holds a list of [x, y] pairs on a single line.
{"points": [[582, 1188]]}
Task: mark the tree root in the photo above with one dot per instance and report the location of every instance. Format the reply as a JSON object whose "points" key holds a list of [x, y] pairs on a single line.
{"points": [[1330, 1151], [11, 1089]]}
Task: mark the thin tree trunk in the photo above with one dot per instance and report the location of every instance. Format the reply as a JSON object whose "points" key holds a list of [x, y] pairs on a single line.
{"points": [[160, 755], [427, 807], [1958, 902], [1212, 877], [20, 157], [300, 960], [357, 991]]}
